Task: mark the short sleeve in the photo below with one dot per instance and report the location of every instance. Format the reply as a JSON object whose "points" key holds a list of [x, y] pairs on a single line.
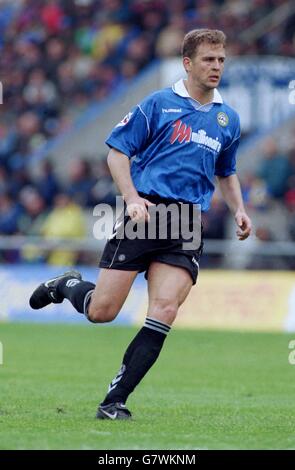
{"points": [[130, 136]]}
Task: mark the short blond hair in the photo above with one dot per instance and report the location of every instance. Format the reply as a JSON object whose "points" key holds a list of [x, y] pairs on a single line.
{"points": [[194, 38]]}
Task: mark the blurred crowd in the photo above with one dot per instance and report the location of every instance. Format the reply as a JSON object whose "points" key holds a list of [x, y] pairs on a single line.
{"points": [[48, 206], [59, 56]]}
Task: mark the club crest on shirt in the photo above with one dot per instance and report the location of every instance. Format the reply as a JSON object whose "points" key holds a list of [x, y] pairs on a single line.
{"points": [[125, 120], [222, 119]]}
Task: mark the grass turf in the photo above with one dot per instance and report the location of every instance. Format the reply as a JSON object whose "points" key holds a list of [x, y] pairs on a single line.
{"points": [[209, 390]]}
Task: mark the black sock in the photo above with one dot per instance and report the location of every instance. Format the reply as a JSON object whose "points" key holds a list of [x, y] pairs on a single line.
{"points": [[77, 292], [139, 357]]}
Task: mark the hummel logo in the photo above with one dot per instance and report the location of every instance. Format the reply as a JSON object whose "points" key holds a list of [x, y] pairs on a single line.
{"points": [[72, 282], [195, 261], [117, 379], [117, 225], [171, 110]]}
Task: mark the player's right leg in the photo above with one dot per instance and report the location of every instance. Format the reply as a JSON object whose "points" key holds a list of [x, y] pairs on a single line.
{"points": [[109, 295], [100, 303]]}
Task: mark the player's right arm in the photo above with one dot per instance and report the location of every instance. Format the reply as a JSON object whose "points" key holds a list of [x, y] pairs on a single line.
{"points": [[128, 138], [119, 165]]}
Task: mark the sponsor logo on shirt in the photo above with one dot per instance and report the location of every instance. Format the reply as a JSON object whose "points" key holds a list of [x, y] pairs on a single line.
{"points": [[204, 140], [184, 134]]}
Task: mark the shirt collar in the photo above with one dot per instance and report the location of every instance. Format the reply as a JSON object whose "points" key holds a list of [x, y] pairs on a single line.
{"points": [[180, 89]]}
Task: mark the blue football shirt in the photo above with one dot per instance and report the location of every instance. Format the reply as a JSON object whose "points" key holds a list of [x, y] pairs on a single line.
{"points": [[178, 144]]}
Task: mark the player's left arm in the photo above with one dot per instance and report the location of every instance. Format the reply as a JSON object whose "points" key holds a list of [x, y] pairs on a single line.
{"points": [[231, 191]]}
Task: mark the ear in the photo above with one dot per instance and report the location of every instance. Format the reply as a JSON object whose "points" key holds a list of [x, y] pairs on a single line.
{"points": [[187, 63]]}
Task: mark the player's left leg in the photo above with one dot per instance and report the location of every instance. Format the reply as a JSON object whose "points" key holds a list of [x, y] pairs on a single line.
{"points": [[168, 286]]}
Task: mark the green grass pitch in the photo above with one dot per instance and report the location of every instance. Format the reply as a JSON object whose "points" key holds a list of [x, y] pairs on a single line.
{"points": [[208, 390]]}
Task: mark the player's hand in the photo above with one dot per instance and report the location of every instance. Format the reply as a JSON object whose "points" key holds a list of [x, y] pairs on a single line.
{"points": [[244, 223], [137, 209]]}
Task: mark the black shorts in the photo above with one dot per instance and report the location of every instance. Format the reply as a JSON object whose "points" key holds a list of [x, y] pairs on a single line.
{"points": [[176, 249]]}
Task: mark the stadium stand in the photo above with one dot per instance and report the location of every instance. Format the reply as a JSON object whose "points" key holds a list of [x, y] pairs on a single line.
{"points": [[60, 56]]}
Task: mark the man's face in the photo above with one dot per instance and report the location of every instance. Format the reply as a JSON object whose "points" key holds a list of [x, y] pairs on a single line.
{"points": [[206, 67]]}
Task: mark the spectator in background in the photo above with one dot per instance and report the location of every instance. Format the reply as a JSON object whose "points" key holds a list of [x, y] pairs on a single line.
{"points": [[31, 222], [65, 220], [56, 55], [27, 54], [255, 192], [4, 184], [40, 94], [214, 225], [105, 40], [104, 190], [140, 51], [34, 211], [274, 169], [46, 183], [129, 69], [170, 37], [81, 64], [214, 221], [23, 139], [81, 183], [20, 180], [14, 85], [67, 84], [10, 212], [52, 16]]}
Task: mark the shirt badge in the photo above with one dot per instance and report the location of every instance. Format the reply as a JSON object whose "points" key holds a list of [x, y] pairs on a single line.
{"points": [[222, 119], [125, 120]]}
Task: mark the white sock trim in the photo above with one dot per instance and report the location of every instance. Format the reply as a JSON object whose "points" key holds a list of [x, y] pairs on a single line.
{"points": [[86, 301], [157, 325]]}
